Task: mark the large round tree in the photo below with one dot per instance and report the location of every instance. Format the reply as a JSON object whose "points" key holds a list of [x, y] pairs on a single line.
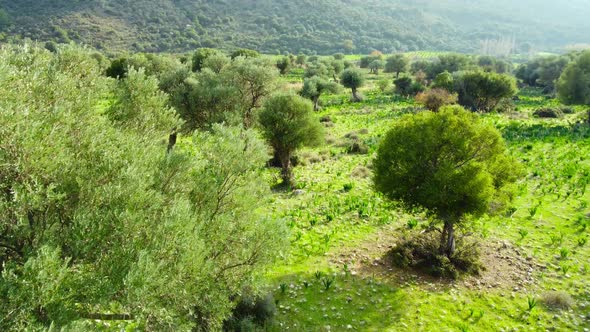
{"points": [[288, 123], [450, 163]]}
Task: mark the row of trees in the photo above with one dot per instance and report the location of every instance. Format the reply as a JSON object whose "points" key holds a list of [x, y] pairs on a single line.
{"points": [[567, 76]]}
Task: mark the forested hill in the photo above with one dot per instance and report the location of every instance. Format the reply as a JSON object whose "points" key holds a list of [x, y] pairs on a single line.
{"points": [[324, 26]]}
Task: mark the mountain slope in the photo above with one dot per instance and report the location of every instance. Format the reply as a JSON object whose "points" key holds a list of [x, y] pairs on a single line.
{"points": [[297, 26]]}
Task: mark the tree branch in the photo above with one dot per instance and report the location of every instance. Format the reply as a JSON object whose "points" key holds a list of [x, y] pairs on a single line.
{"points": [[108, 317]]}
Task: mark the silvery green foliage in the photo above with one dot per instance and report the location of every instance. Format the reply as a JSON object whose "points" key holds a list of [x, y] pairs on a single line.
{"points": [[98, 219]]}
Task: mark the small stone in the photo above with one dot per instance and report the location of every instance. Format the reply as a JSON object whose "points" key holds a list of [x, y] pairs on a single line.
{"points": [[298, 192]]}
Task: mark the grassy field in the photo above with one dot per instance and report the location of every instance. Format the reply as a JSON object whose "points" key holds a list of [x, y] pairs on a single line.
{"points": [[336, 276]]}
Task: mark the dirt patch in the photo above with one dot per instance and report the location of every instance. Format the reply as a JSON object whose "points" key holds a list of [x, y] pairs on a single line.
{"points": [[507, 268]]}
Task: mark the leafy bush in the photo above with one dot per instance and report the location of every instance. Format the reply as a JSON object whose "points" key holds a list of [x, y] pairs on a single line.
{"points": [[375, 66], [284, 65], [251, 313], [405, 87], [200, 55], [245, 53], [216, 62], [421, 252], [384, 84], [573, 86], [548, 112], [483, 91], [444, 80], [434, 99], [118, 68]]}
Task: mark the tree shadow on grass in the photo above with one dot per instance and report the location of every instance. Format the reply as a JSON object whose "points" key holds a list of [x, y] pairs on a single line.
{"points": [[306, 303]]}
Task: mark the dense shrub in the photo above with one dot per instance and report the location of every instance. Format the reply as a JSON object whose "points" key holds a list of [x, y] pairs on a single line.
{"points": [[434, 99], [405, 87], [118, 68], [445, 81], [86, 175], [200, 55], [548, 112], [375, 66], [284, 65], [481, 91], [245, 53], [252, 312], [448, 63], [384, 85], [543, 72], [366, 61], [216, 62], [338, 56], [422, 252], [573, 86]]}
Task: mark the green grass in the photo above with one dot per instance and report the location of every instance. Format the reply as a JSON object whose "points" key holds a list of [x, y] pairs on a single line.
{"points": [[338, 220]]}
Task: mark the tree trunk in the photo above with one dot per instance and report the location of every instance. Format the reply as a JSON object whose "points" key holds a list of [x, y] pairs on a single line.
{"points": [[397, 74], [286, 172], [316, 104], [172, 141], [447, 241], [355, 96], [589, 117]]}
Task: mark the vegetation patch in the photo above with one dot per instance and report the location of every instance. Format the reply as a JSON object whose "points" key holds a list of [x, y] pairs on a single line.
{"points": [[558, 300], [423, 252]]}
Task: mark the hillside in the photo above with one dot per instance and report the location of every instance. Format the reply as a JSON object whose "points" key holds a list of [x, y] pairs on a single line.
{"points": [[303, 26]]}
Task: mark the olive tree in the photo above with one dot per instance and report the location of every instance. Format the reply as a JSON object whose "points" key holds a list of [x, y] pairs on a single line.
{"points": [[353, 79], [216, 62], [231, 96], [397, 64], [245, 53], [284, 65], [481, 91], [288, 123], [314, 87], [99, 223], [444, 80], [573, 87], [450, 163], [254, 79], [375, 66], [200, 55]]}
